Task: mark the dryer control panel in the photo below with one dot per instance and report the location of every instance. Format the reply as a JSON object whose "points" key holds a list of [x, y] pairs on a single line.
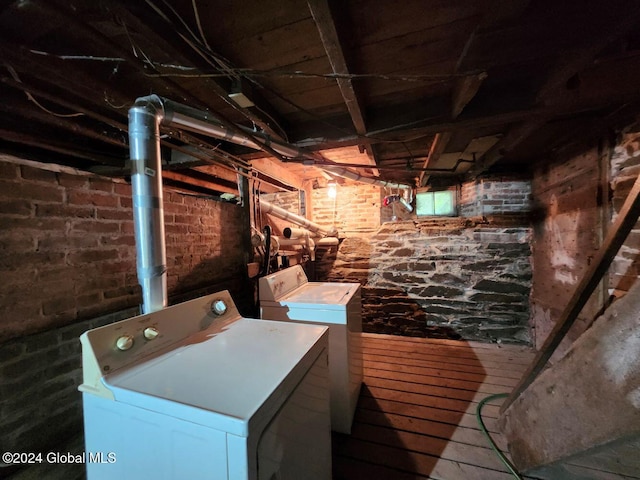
{"points": [[275, 286], [114, 346]]}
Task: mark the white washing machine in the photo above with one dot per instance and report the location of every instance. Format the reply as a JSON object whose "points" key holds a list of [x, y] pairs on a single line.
{"points": [[195, 391], [287, 295]]}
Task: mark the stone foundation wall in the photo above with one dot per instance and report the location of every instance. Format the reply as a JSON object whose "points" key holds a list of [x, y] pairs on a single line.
{"points": [[453, 278]]}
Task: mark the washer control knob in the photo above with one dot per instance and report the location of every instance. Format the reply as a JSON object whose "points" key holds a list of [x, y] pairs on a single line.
{"points": [[150, 333], [219, 307], [124, 342]]}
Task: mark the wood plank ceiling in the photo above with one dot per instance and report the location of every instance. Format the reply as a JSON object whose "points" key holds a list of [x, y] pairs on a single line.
{"points": [[415, 91]]}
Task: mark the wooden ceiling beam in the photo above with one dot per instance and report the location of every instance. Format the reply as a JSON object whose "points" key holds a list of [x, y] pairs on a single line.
{"points": [[35, 116], [64, 148], [321, 13], [464, 89], [213, 184], [514, 137], [438, 146], [569, 65], [162, 83], [277, 170], [555, 82]]}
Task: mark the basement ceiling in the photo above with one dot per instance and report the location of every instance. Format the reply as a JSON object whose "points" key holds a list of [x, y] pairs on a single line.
{"points": [[414, 91]]}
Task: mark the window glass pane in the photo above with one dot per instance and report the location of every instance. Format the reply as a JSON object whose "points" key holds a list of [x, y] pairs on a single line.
{"points": [[424, 203], [443, 203], [436, 203]]}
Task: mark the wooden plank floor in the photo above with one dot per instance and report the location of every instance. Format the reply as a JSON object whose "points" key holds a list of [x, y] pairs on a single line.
{"points": [[416, 414]]}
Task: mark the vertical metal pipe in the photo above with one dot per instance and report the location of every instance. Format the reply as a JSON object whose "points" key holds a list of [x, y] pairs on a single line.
{"points": [[148, 211]]}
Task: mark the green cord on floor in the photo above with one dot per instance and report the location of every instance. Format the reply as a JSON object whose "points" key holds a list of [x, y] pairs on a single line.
{"points": [[495, 448]]}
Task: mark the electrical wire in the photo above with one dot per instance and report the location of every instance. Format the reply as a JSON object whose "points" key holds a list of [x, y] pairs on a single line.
{"points": [[197, 15], [30, 97], [501, 456], [224, 70]]}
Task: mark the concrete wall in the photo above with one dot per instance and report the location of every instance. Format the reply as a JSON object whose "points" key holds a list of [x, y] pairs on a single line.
{"points": [[67, 263]]}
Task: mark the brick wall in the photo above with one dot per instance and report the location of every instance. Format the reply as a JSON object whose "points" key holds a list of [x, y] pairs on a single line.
{"points": [[67, 259], [68, 247], [355, 209], [494, 196], [625, 167], [290, 201], [40, 406]]}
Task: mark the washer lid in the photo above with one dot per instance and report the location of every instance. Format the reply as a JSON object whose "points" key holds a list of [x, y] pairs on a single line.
{"points": [[220, 378], [325, 295]]}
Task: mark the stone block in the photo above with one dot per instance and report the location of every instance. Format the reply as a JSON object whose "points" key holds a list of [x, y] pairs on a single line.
{"points": [[441, 291], [497, 298], [446, 278], [487, 285]]}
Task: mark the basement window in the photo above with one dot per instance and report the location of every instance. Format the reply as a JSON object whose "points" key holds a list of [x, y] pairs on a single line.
{"points": [[442, 203]]}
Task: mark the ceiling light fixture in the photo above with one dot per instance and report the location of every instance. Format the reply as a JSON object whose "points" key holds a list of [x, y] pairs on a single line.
{"points": [[239, 96], [331, 189]]}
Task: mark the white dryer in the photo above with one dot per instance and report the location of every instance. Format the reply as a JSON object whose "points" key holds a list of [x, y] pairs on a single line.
{"points": [[195, 391], [287, 295]]}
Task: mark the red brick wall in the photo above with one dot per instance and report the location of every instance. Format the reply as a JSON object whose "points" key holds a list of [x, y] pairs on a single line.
{"points": [[625, 167], [67, 248], [67, 264], [355, 208]]}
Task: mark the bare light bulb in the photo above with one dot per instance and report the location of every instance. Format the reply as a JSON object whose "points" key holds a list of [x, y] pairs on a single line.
{"points": [[331, 191]]}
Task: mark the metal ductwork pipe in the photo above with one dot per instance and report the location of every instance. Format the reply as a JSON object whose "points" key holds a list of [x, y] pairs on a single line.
{"points": [[148, 211], [345, 173], [204, 123], [145, 118], [283, 214]]}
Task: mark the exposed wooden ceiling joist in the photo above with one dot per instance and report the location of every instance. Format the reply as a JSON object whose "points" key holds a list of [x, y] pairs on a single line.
{"points": [[322, 15], [382, 76], [438, 146], [568, 66]]}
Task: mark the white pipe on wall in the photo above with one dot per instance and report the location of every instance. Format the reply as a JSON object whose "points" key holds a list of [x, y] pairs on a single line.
{"points": [[267, 207], [306, 242], [291, 232], [328, 242]]}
